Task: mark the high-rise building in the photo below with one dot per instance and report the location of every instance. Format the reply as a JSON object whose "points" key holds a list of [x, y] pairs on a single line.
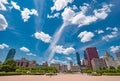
{"points": [[109, 60], [78, 59], [11, 54], [118, 55], [90, 53]]}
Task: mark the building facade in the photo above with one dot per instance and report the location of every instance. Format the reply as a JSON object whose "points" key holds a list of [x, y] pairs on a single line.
{"points": [[78, 58], [109, 60], [25, 63], [118, 55], [98, 63], [90, 53], [63, 68], [11, 54], [74, 68]]}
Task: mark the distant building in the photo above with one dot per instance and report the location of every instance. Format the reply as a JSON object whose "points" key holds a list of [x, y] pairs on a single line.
{"points": [[117, 62], [84, 62], [90, 53], [109, 60], [45, 63], [63, 68], [32, 63], [11, 54], [78, 59], [98, 63], [118, 55], [74, 68], [25, 63], [57, 66]]}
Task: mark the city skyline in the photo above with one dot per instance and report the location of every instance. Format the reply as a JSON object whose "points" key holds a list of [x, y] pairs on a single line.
{"points": [[55, 30]]}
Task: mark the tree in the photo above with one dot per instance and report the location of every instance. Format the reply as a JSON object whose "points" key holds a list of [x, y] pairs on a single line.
{"points": [[118, 68], [9, 66]]}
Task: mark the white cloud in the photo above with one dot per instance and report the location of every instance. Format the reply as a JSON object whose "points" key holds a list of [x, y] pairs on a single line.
{"points": [[86, 36], [80, 18], [2, 5], [115, 29], [102, 13], [3, 23], [3, 46], [43, 37], [114, 48], [60, 4], [61, 50], [15, 6], [31, 54], [99, 31], [53, 16], [69, 58], [58, 61], [26, 13], [74, 7], [24, 49], [111, 35], [68, 14]]}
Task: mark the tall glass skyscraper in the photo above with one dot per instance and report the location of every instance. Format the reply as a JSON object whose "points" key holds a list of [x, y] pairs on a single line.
{"points": [[11, 54], [91, 53], [78, 58]]}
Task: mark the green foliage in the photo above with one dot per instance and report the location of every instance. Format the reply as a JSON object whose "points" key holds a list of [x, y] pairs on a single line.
{"points": [[118, 68], [112, 74], [9, 66], [9, 73]]}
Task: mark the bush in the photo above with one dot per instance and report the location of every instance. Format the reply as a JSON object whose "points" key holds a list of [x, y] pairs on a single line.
{"points": [[9, 73], [112, 74]]}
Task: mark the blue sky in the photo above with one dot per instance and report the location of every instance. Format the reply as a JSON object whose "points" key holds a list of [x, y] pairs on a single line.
{"points": [[53, 30]]}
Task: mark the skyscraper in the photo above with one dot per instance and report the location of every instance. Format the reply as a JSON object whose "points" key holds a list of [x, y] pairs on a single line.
{"points": [[11, 54], [78, 58], [109, 60], [91, 53]]}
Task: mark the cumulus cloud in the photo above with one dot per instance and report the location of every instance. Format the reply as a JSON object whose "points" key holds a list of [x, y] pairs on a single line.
{"points": [[86, 36], [80, 18], [102, 13], [114, 48], [31, 54], [24, 49], [15, 6], [53, 16], [111, 35], [99, 31], [62, 50], [60, 4], [43, 37], [2, 4], [3, 46], [26, 13], [3, 23]]}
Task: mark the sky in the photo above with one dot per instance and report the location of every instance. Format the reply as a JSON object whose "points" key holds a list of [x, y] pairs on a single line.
{"points": [[54, 30]]}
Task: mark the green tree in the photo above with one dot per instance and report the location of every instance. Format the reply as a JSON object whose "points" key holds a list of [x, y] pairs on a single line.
{"points": [[9, 66]]}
